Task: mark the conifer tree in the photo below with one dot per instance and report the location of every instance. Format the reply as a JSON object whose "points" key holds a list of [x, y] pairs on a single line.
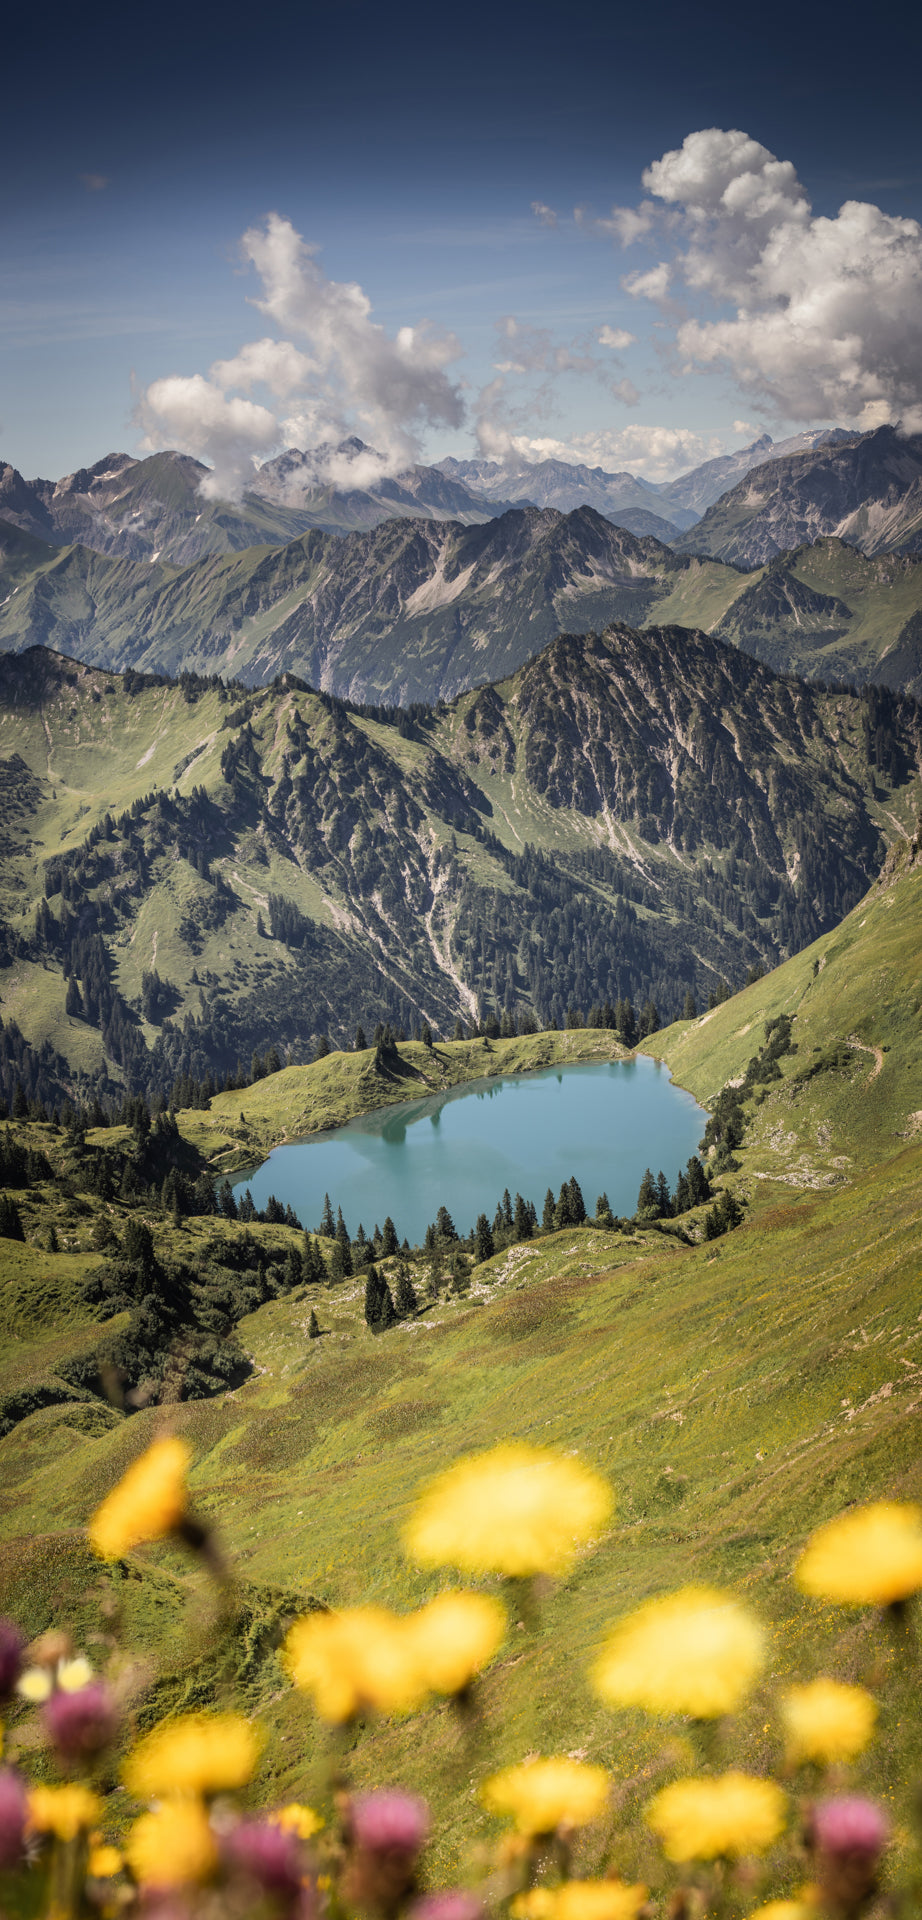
{"points": [[344, 1243], [663, 1196], [10, 1219], [521, 1221], [577, 1203], [389, 1241], [336, 1269], [313, 1327], [562, 1214], [294, 1273], [699, 1185], [405, 1299], [647, 1201], [327, 1224], [360, 1041], [507, 1207], [484, 1246], [445, 1226], [547, 1215]]}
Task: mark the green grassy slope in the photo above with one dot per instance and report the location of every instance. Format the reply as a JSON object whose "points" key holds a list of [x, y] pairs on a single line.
{"points": [[735, 1392]]}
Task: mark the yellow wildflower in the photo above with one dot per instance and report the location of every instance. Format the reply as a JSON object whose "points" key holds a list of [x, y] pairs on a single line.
{"points": [[696, 1651], [296, 1819], [354, 1660], [454, 1637], [149, 1501], [868, 1558], [542, 1795], [517, 1510], [536, 1903], [785, 1910], [195, 1753], [72, 1675], [63, 1811], [173, 1846], [580, 1900], [827, 1721], [726, 1817], [104, 1861], [35, 1684]]}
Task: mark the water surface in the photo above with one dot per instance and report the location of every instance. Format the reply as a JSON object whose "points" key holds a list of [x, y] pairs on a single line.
{"points": [[604, 1121]]}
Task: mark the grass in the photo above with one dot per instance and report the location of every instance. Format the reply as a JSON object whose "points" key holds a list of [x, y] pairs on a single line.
{"points": [[735, 1393]]}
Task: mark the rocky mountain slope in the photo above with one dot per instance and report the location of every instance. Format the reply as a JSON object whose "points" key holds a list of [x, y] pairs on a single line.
{"points": [[191, 873], [152, 509], [420, 610], [866, 491]]}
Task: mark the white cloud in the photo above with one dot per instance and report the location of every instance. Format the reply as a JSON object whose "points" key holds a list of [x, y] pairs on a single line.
{"points": [[230, 434], [744, 426], [623, 224], [617, 338], [348, 375], [825, 320], [546, 215], [659, 453]]}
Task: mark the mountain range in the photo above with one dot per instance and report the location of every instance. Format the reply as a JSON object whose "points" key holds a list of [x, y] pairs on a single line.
{"points": [[419, 610], [631, 814]]}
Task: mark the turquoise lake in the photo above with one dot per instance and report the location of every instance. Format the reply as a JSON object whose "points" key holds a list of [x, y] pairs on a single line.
{"points": [[604, 1122]]}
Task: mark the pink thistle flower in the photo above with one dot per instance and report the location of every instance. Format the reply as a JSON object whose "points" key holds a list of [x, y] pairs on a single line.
{"points": [[453, 1903], [13, 1811], [81, 1724], [268, 1855], [389, 1823], [850, 1825]]}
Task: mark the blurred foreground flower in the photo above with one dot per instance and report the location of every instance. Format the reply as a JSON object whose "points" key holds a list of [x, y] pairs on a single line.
{"points": [[804, 1909], [351, 1661], [580, 1900], [172, 1847], [13, 1811], [83, 1723], [454, 1637], [517, 1510], [849, 1836], [150, 1501], [385, 1832], [12, 1644], [63, 1811], [268, 1856], [542, 1795], [723, 1818], [453, 1903], [696, 1652], [197, 1753], [870, 1558], [297, 1819], [827, 1721]]}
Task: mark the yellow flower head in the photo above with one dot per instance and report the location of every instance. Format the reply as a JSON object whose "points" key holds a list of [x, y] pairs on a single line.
{"points": [[173, 1846], [542, 1795], [354, 1660], [517, 1510], [63, 1811], [196, 1753], [827, 1721], [300, 1820], [580, 1900], [696, 1651], [785, 1910], [149, 1501], [454, 1637], [104, 1861], [72, 1675], [868, 1558], [729, 1816]]}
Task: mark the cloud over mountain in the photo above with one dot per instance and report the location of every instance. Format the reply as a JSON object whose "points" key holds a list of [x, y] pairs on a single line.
{"points": [[347, 371], [826, 310]]}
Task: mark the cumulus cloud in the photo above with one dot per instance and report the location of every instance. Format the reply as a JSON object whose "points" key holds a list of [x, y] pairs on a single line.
{"points": [[659, 453], [342, 374], [617, 338], [826, 310], [546, 215]]}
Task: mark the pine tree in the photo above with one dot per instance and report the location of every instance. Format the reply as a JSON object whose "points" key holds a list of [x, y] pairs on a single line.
{"points": [[690, 1007], [699, 1185], [484, 1246], [521, 1222], [663, 1196], [322, 1047], [507, 1207], [344, 1243], [547, 1215], [10, 1220], [405, 1299], [336, 1270], [313, 1327], [647, 1201], [294, 1272], [372, 1295], [577, 1204], [313, 1266], [389, 1241], [445, 1226], [458, 1032], [327, 1224], [562, 1214], [360, 1041], [683, 1199]]}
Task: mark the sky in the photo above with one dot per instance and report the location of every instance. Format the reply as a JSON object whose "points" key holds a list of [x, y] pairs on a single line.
{"points": [[635, 237]]}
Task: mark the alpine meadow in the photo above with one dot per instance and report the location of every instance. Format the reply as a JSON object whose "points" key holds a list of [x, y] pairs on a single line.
{"points": [[469, 742]]}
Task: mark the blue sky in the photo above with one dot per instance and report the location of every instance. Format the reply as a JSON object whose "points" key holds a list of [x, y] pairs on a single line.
{"points": [[404, 152]]}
